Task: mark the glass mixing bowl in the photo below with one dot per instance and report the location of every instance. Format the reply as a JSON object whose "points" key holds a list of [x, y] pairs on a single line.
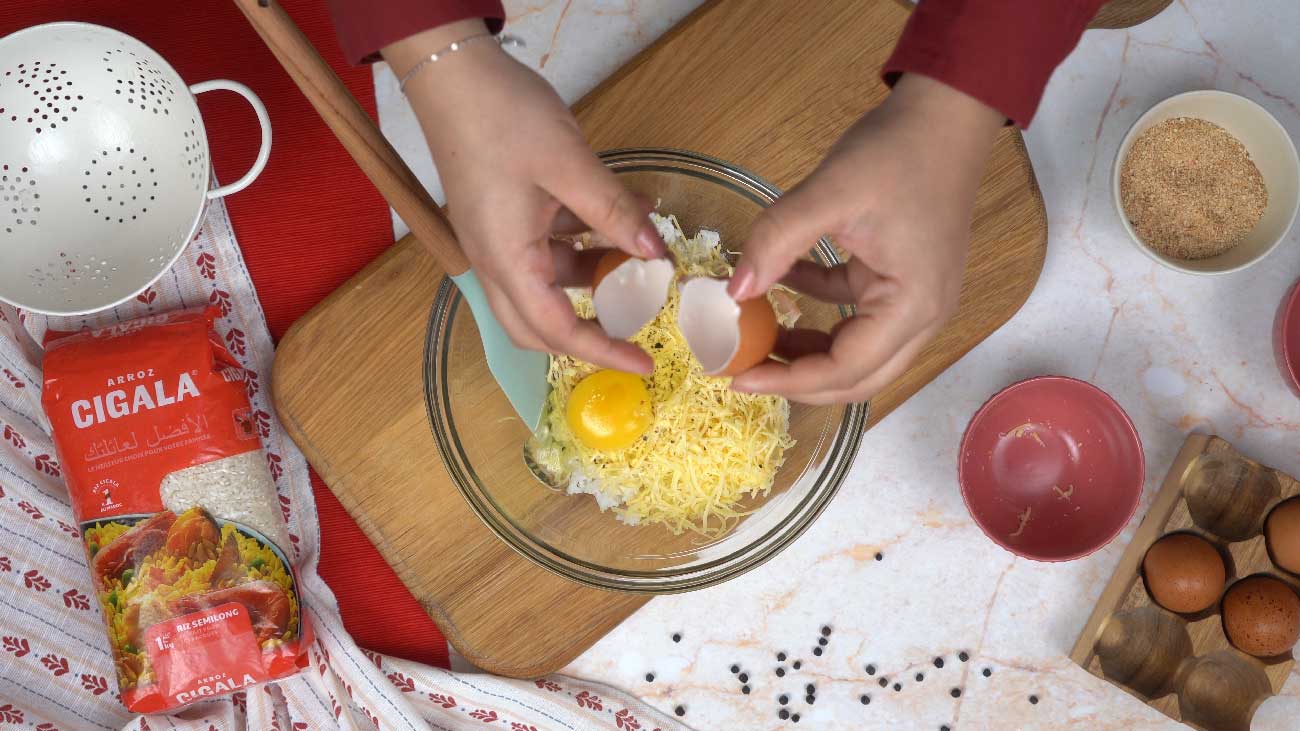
{"points": [[482, 440]]}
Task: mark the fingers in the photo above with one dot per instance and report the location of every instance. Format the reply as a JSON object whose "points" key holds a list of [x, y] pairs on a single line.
{"points": [[799, 342], [547, 315], [567, 222], [521, 335], [781, 235], [574, 268], [862, 346], [594, 195], [828, 284]]}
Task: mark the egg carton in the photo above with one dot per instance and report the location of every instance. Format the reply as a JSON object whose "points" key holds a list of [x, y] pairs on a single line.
{"points": [[1184, 665]]}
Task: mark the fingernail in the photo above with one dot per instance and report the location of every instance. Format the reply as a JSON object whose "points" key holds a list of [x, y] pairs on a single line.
{"points": [[740, 387], [649, 243], [741, 283]]}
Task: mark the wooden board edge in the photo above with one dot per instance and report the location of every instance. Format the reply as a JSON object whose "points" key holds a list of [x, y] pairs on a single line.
{"points": [[1120, 14], [1126, 570]]}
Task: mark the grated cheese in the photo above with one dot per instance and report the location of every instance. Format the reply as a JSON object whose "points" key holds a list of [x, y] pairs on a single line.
{"points": [[708, 448]]}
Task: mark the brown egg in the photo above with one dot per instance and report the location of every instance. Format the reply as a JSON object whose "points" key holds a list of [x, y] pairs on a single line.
{"points": [[726, 336], [1184, 573], [1262, 616], [1283, 531]]}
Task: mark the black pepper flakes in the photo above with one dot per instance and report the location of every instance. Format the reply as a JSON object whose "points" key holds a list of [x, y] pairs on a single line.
{"points": [[744, 689], [822, 641], [735, 669], [780, 657], [795, 718], [1033, 700], [955, 692], [871, 670], [817, 652], [920, 677], [865, 699], [784, 699], [677, 637], [880, 557], [810, 689], [884, 682], [938, 662], [988, 672], [944, 728], [744, 677], [898, 687], [797, 664], [963, 656], [680, 710], [649, 677], [780, 672], [783, 714], [826, 631]]}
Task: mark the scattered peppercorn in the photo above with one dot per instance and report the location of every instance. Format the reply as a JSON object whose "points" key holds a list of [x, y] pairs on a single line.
{"points": [[744, 677], [677, 637], [798, 664], [744, 689], [865, 699], [1033, 699], [649, 677], [963, 656], [871, 670], [783, 715], [897, 687], [795, 718], [826, 631], [780, 657], [810, 699], [938, 662], [956, 692], [817, 652], [919, 677], [884, 682], [880, 557], [822, 641], [944, 728], [784, 699], [780, 672], [988, 672], [680, 710], [735, 669], [810, 688]]}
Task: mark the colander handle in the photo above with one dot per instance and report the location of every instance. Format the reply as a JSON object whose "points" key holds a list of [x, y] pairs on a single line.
{"points": [[263, 119]]}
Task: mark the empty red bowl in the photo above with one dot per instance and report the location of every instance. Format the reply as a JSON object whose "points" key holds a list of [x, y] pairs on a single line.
{"points": [[1051, 468], [1286, 338]]}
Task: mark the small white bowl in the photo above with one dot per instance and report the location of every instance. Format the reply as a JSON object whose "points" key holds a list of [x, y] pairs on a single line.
{"points": [[1270, 148]]}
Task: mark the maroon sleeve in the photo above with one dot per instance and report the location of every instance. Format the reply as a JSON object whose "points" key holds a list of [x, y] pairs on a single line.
{"points": [[1001, 52], [366, 26]]}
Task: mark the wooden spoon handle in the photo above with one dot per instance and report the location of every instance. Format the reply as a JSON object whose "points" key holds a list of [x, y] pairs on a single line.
{"points": [[356, 131]]}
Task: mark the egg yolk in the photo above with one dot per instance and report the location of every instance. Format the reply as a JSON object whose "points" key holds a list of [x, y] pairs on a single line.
{"points": [[609, 410]]}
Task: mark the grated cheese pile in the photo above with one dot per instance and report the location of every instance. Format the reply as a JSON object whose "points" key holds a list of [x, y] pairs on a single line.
{"points": [[708, 448]]}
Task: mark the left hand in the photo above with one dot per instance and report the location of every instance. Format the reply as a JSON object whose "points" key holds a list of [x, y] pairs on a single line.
{"points": [[897, 193]]}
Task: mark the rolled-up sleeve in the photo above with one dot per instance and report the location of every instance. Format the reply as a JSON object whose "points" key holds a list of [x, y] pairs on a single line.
{"points": [[1001, 52], [365, 26]]}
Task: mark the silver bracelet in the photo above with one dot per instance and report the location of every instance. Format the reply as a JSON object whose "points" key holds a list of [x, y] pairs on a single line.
{"points": [[503, 39]]}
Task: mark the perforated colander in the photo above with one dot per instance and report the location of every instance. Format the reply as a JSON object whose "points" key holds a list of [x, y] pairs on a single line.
{"points": [[104, 166]]}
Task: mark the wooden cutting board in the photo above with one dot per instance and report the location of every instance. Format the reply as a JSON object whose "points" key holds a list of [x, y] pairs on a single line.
{"points": [[768, 86]]}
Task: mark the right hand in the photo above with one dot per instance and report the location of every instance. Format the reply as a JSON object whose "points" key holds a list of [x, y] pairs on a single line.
{"points": [[517, 170]]}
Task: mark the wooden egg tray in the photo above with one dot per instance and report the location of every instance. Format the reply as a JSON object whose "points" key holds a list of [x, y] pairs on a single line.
{"points": [[1184, 665]]}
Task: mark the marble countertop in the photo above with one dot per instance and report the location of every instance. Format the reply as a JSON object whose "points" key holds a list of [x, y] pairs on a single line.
{"points": [[896, 568]]}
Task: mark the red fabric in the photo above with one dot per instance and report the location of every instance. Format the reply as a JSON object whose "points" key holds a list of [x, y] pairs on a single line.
{"points": [[1001, 52], [309, 222], [366, 26]]}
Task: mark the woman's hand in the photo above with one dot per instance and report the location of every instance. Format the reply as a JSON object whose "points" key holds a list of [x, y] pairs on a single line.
{"points": [[897, 193], [516, 170]]}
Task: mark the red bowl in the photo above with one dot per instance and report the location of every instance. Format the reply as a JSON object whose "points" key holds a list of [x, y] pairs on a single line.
{"points": [[1051, 468], [1286, 338]]}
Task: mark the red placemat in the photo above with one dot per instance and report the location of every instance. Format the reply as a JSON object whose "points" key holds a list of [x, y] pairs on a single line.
{"points": [[308, 224]]}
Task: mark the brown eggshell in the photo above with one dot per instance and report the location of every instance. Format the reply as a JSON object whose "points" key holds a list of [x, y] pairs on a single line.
{"points": [[758, 329], [608, 263], [1261, 616], [1184, 573], [1283, 531]]}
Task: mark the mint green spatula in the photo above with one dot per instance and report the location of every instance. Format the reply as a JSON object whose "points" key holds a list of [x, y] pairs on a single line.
{"points": [[520, 373]]}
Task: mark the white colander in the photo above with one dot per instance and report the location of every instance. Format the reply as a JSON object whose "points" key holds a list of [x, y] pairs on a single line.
{"points": [[104, 166]]}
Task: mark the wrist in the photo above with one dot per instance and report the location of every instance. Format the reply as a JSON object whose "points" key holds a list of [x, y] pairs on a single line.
{"points": [[944, 109], [403, 55]]}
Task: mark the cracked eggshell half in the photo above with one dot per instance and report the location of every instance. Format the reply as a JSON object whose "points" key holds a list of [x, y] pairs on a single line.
{"points": [[627, 293], [726, 336]]}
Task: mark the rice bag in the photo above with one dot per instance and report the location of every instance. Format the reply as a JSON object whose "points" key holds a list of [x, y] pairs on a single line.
{"points": [[177, 508]]}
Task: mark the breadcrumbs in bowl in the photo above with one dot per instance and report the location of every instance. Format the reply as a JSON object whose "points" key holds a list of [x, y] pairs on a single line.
{"points": [[1206, 182]]}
